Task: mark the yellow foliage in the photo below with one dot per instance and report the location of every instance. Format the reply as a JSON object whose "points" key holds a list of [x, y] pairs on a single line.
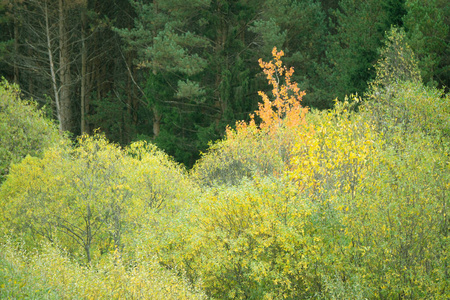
{"points": [[91, 199], [338, 156], [52, 275]]}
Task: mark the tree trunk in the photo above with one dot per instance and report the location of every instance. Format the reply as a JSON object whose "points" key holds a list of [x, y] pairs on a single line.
{"points": [[221, 37], [16, 46], [52, 68], [156, 123], [83, 91], [87, 244], [64, 71]]}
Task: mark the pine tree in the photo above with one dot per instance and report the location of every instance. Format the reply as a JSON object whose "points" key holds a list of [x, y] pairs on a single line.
{"points": [[360, 28], [428, 26], [194, 58]]}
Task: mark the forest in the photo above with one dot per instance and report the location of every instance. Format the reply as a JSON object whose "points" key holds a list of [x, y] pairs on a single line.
{"points": [[176, 73], [237, 149]]}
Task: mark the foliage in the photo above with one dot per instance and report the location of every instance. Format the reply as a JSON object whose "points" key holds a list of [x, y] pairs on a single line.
{"points": [[91, 198], [338, 156], [23, 128], [250, 241], [363, 200], [349, 203], [382, 175], [52, 275], [200, 58], [110, 116], [381, 206], [427, 24], [262, 148], [300, 28], [351, 55], [398, 82], [197, 62], [397, 62]]}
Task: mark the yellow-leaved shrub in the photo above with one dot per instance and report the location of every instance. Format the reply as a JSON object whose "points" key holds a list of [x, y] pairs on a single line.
{"points": [[24, 130], [91, 199], [51, 274]]}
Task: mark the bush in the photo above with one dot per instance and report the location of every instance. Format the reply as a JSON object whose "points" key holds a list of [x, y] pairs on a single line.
{"points": [[51, 274], [23, 128], [250, 241], [90, 199]]}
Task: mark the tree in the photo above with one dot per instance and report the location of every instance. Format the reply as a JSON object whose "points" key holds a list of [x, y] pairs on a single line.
{"points": [[262, 146], [428, 28], [46, 40], [360, 27], [75, 198], [196, 59], [93, 198]]}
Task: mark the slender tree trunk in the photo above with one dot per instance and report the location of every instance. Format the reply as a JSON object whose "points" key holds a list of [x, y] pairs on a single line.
{"points": [[156, 122], [64, 71], [157, 116], [16, 45], [87, 245], [83, 69], [52, 68], [221, 37]]}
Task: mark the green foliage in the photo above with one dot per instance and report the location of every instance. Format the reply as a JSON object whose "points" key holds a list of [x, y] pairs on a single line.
{"points": [[428, 26], [397, 96], [352, 54], [89, 199], [380, 198], [111, 117], [404, 240], [413, 107], [23, 128], [349, 203], [51, 274], [300, 28], [250, 241], [363, 200], [397, 63], [199, 58]]}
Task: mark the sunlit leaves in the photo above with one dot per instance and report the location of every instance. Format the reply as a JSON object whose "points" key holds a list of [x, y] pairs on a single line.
{"points": [[262, 146], [91, 198], [339, 154], [51, 274], [23, 128], [349, 203]]}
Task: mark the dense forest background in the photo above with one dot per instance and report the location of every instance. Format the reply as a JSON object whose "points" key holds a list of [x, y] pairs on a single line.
{"points": [[177, 72]]}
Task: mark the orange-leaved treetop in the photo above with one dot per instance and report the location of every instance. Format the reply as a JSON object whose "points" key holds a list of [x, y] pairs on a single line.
{"points": [[286, 107], [285, 110]]}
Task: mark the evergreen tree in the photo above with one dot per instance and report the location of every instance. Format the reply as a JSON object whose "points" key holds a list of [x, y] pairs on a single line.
{"points": [[353, 50], [195, 57], [6, 40], [428, 26]]}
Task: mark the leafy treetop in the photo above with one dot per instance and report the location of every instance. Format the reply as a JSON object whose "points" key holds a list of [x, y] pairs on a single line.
{"points": [[285, 109]]}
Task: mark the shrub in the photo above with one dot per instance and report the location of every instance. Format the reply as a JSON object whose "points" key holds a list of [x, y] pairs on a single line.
{"points": [[51, 274], [23, 128], [90, 199]]}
